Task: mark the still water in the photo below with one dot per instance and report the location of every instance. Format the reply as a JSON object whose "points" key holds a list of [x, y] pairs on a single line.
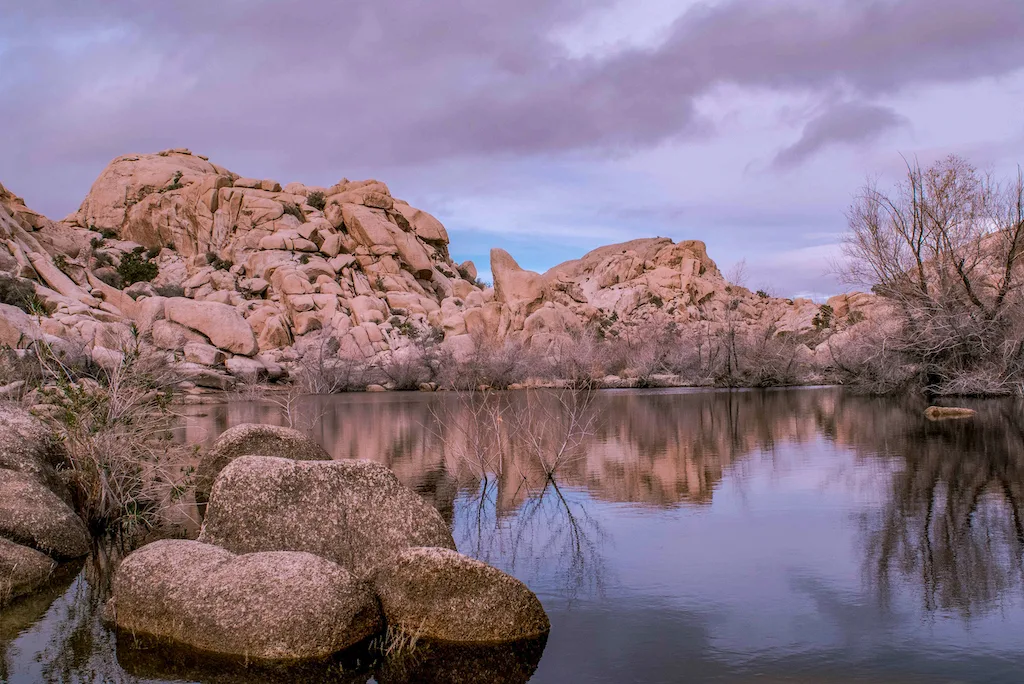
{"points": [[803, 535]]}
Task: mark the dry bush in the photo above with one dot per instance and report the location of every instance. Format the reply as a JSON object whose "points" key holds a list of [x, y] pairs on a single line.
{"points": [[944, 248], [126, 473], [321, 370], [493, 363]]}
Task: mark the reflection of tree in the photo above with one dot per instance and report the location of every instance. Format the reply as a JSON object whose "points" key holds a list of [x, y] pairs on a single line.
{"points": [[953, 523]]}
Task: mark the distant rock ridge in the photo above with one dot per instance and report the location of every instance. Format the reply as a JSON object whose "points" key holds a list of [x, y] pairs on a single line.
{"points": [[250, 273]]}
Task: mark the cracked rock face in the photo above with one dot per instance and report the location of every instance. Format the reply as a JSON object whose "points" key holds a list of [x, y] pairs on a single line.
{"points": [[278, 606], [355, 513]]}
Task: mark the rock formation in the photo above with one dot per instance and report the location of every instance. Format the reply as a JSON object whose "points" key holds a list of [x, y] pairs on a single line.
{"points": [[236, 278], [37, 523]]}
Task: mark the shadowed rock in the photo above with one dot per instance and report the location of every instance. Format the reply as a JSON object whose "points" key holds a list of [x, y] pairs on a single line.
{"points": [[355, 513], [254, 440], [27, 446], [283, 606], [22, 570], [440, 594], [32, 515]]}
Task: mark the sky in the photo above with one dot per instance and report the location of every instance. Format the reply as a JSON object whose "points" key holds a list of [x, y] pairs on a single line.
{"points": [[545, 127]]}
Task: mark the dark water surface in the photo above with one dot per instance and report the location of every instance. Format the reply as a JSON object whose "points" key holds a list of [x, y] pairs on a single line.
{"points": [[800, 535]]}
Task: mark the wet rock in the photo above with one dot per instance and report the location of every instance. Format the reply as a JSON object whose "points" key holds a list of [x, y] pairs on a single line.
{"points": [[32, 515], [254, 440], [440, 594], [22, 570], [284, 606], [355, 513], [947, 412]]}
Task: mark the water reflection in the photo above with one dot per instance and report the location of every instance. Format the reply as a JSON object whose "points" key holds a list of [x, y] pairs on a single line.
{"points": [[951, 526], [799, 535]]}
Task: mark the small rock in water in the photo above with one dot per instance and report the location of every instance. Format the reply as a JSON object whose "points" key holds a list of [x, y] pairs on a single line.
{"points": [[947, 412]]}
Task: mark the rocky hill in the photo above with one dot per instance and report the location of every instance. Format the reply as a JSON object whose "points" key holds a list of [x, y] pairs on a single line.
{"points": [[239, 278]]}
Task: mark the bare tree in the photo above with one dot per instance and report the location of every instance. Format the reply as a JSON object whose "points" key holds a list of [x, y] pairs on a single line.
{"points": [[944, 247]]}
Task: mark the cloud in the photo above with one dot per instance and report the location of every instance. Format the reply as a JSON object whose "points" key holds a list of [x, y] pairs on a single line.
{"points": [[847, 123]]}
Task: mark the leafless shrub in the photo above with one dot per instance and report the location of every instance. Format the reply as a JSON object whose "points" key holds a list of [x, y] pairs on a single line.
{"points": [[945, 249], [323, 371], [126, 473], [493, 363]]}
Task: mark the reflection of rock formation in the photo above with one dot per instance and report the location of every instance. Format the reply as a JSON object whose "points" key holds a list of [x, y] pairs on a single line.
{"points": [[652, 448], [953, 523]]}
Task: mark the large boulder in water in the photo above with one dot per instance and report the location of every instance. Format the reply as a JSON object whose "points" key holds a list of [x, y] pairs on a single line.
{"points": [[32, 515], [442, 595], [277, 606], [22, 570], [355, 513], [251, 439]]}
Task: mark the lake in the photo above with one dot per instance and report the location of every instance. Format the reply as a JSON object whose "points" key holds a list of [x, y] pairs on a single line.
{"points": [[798, 535]]}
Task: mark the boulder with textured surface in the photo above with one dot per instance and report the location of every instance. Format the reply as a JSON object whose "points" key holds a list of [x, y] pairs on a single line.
{"points": [[440, 594], [28, 446], [283, 605], [355, 513], [32, 515], [221, 323], [22, 570], [250, 439]]}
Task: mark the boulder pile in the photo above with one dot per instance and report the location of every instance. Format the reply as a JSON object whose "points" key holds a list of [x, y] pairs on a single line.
{"points": [[236, 279], [299, 559], [38, 526]]}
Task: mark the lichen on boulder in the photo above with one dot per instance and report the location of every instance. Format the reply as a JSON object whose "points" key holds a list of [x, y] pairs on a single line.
{"points": [[442, 595], [249, 439], [275, 606], [355, 513]]}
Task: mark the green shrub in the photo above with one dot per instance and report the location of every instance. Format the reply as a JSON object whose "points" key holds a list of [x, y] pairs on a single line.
{"points": [[762, 294], [152, 252], [109, 276], [657, 301], [175, 184], [61, 262], [102, 259], [293, 210], [136, 268], [170, 290], [316, 200], [96, 242], [20, 293], [218, 263], [108, 233], [823, 319]]}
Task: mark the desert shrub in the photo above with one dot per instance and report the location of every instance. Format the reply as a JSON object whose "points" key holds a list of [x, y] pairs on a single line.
{"points": [[19, 292], [125, 471], [321, 370], [316, 200], [823, 319], [96, 242], [494, 363], [762, 294], [101, 259], [109, 276], [152, 252], [175, 183], [136, 268], [170, 290], [107, 233], [294, 210], [61, 262], [218, 263]]}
